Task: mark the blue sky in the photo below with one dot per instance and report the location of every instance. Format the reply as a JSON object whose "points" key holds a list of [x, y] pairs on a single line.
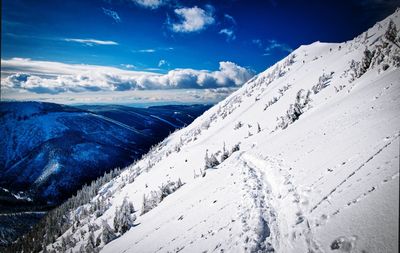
{"points": [[160, 36]]}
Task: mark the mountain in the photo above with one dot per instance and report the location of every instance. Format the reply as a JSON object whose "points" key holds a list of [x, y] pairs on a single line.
{"points": [[303, 158], [49, 151], [55, 149]]}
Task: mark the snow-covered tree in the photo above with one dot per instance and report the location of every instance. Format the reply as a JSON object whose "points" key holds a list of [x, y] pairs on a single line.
{"points": [[366, 61], [151, 201], [123, 219], [323, 82], [210, 161], [238, 125], [82, 249], [225, 153], [295, 110], [107, 234], [90, 245], [392, 33], [235, 148]]}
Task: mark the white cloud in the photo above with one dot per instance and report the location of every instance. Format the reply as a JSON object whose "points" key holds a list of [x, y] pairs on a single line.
{"points": [[230, 35], [149, 50], [230, 18], [152, 4], [193, 19], [113, 14], [54, 77], [229, 32], [153, 50], [162, 63], [128, 66], [92, 42], [275, 45]]}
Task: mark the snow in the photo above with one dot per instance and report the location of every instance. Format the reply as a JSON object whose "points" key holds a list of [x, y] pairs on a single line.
{"points": [[328, 181]]}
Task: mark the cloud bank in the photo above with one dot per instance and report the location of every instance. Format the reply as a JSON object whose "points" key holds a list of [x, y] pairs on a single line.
{"points": [[44, 77]]}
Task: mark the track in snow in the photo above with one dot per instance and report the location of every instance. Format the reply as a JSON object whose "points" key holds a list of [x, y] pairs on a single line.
{"points": [[255, 213], [277, 216]]}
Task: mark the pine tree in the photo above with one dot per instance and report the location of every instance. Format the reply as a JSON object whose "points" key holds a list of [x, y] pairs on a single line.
{"points": [[90, 245], [225, 153], [366, 61], [107, 235], [391, 33], [63, 244], [210, 161], [123, 219], [235, 148]]}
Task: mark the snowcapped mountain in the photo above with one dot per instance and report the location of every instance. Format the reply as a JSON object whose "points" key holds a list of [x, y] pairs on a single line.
{"points": [[303, 158]]}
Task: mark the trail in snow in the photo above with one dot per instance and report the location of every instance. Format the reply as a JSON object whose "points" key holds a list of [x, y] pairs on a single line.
{"points": [[256, 213], [280, 206]]}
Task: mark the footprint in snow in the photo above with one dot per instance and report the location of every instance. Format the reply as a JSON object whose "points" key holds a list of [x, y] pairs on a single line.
{"points": [[344, 244]]}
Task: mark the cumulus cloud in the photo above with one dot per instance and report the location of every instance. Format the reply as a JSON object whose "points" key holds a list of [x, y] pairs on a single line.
{"points": [[91, 42], [193, 19], [113, 14], [151, 4], [55, 77]]}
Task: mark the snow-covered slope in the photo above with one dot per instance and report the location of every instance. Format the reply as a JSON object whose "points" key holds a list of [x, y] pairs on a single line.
{"points": [[316, 171]]}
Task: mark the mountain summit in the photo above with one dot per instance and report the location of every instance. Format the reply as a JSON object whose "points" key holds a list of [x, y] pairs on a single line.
{"points": [[303, 158]]}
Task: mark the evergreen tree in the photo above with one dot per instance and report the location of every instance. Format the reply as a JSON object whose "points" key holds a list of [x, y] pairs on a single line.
{"points": [[123, 219], [391, 33], [90, 245], [107, 235], [225, 153], [210, 161], [235, 148], [366, 61]]}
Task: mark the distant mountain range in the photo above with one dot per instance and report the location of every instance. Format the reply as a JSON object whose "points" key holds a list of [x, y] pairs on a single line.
{"points": [[50, 150]]}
